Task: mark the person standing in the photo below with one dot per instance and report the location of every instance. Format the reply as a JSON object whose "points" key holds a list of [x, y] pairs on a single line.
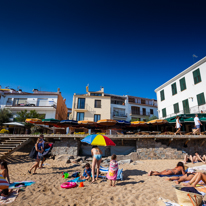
{"points": [[197, 124], [178, 125]]}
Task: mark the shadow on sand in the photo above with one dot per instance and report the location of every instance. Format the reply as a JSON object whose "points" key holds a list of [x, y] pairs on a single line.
{"points": [[129, 173]]}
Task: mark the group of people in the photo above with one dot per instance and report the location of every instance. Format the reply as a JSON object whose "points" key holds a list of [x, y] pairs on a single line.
{"points": [[197, 124], [97, 158]]}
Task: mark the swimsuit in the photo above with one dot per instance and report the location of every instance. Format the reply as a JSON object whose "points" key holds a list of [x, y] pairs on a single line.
{"points": [[98, 156]]}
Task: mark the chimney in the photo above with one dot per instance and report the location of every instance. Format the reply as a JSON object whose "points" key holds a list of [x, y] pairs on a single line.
{"points": [[11, 90], [58, 89], [64, 100], [35, 90], [102, 89], [0, 86], [20, 91]]}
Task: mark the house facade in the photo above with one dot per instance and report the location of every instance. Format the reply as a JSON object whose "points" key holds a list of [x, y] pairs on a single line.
{"points": [[140, 109], [184, 93], [49, 104], [91, 106]]}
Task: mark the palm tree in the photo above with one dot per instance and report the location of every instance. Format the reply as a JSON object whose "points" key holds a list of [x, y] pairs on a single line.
{"points": [[5, 115]]}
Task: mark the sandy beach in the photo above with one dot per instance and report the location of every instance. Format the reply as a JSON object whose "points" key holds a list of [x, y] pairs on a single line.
{"points": [[137, 188]]}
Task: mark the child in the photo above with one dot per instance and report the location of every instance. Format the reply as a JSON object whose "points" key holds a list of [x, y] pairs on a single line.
{"points": [[5, 174], [113, 169], [87, 172]]}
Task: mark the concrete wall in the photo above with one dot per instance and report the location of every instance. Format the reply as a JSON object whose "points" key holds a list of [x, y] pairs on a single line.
{"points": [[189, 93]]}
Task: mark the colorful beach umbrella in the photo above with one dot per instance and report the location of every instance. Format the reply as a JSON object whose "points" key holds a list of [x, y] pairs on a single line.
{"points": [[138, 123], [33, 120], [99, 140], [107, 122], [157, 121]]}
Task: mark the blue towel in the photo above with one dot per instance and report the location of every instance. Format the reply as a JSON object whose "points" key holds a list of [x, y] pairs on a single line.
{"points": [[76, 180], [20, 184]]}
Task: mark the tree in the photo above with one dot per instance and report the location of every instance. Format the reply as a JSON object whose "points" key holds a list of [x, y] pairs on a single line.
{"points": [[5, 115], [23, 115]]}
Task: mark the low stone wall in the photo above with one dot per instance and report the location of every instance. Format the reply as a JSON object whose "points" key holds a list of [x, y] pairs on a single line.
{"points": [[66, 146]]}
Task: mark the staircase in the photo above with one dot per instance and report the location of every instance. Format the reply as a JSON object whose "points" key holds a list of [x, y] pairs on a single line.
{"points": [[7, 146]]}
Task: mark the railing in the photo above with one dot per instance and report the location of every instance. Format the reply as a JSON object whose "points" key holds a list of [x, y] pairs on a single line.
{"points": [[141, 113], [76, 106], [119, 114]]}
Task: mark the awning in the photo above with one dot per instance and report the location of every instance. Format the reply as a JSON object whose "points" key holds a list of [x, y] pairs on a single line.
{"points": [[15, 124]]}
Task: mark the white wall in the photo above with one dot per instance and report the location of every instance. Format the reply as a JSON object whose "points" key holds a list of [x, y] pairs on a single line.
{"points": [[190, 93]]}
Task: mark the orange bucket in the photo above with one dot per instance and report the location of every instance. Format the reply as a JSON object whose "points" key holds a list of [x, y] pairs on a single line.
{"points": [[81, 184]]}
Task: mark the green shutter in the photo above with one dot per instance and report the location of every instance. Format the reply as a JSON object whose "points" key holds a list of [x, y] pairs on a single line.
{"points": [[201, 99], [186, 108], [174, 89], [182, 84], [162, 95], [176, 108], [164, 113], [196, 76]]}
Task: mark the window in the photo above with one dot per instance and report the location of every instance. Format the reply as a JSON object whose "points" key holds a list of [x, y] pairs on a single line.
{"points": [[80, 116], [117, 102], [162, 95], [174, 89], [19, 101], [97, 104], [81, 103], [143, 101], [135, 110], [201, 99], [97, 117], [186, 108], [151, 111], [95, 94], [176, 108], [144, 111], [164, 113], [196, 76], [119, 112], [182, 84]]}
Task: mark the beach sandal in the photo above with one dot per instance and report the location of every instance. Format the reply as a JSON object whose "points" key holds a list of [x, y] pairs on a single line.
{"points": [[34, 173], [29, 172]]}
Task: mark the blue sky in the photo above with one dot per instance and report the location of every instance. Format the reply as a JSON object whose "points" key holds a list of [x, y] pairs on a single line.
{"points": [[128, 47]]}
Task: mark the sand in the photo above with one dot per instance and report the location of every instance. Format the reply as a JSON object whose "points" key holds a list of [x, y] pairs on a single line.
{"points": [[137, 188]]}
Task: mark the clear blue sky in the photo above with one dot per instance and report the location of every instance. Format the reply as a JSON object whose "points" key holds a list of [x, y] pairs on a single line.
{"points": [[128, 47]]}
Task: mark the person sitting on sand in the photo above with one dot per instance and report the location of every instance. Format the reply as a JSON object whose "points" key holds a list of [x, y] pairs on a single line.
{"points": [[113, 169], [179, 169], [196, 179], [39, 146], [5, 174], [195, 158], [87, 172], [97, 158], [186, 177]]}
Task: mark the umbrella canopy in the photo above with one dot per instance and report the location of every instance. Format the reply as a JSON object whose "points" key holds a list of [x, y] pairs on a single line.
{"points": [[123, 122], [15, 124], [33, 120], [86, 122], [50, 120], [189, 120], [203, 119], [107, 122], [68, 122], [99, 140], [157, 122]]}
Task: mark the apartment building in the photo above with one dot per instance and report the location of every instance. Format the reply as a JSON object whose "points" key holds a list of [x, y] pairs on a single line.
{"points": [[184, 93], [91, 106], [49, 104], [138, 108]]}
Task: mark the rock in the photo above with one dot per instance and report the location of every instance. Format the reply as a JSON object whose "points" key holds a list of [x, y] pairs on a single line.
{"points": [[83, 165], [68, 161], [62, 157], [89, 159], [73, 161], [124, 161], [106, 161]]}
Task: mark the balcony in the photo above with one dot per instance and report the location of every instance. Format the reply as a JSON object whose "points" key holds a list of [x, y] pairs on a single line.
{"points": [[80, 108], [117, 115], [141, 113]]}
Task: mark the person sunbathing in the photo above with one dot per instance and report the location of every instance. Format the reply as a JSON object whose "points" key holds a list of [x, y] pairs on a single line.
{"points": [[186, 177], [195, 158], [196, 179], [179, 169]]}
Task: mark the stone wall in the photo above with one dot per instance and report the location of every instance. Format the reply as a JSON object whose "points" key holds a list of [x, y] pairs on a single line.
{"points": [[66, 146]]}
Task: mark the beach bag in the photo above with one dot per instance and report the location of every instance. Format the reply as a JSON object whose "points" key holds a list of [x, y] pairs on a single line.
{"points": [[33, 153], [164, 202], [188, 198]]}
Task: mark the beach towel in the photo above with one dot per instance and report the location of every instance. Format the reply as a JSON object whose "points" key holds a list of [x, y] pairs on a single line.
{"points": [[20, 184], [106, 169], [113, 169], [164, 202], [201, 167], [10, 198], [170, 175], [76, 180]]}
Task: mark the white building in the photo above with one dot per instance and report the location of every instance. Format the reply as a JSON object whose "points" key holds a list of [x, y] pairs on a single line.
{"points": [[49, 104], [184, 93]]}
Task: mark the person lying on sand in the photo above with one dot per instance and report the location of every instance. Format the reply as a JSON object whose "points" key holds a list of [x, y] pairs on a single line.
{"points": [[186, 177], [179, 169], [196, 179], [195, 158]]}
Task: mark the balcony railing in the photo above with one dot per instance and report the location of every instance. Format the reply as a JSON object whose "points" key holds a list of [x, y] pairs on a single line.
{"points": [[141, 113], [116, 114]]}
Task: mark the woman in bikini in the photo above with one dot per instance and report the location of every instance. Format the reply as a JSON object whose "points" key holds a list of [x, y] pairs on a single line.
{"points": [[179, 169], [186, 177], [97, 158], [196, 179]]}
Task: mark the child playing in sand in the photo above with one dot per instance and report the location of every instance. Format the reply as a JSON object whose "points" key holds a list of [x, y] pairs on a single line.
{"points": [[87, 172], [113, 169]]}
